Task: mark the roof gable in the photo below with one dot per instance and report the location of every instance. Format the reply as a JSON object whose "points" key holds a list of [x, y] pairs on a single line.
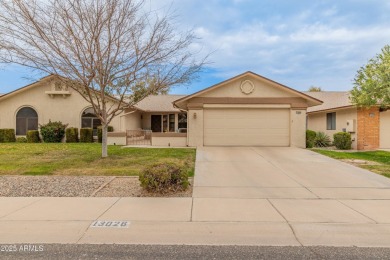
{"points": [[249, 85], [27, 87]]}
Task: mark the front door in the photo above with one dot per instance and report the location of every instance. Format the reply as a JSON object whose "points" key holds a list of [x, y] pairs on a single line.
{"points": [[156, 123]]}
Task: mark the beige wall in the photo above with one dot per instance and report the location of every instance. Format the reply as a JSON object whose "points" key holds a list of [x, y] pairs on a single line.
{"points": [[195, 128], [130, 121], [169, 141], [66, 109], [262, 88], [317, 122], [384, 134], [116, 140], [298, 128]]}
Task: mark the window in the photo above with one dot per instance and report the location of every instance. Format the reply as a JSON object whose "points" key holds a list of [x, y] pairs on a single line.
{"points": [[26, 119], [163, 123], [171, 122], [182, 118], [90, 120], [331, 121]]}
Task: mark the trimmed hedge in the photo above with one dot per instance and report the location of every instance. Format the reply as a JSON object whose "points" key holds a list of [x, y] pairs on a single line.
{"points": [[86, 135], [53, 132], [21, 140], [342, 141], [100, 132], [72, 135], [33, 136], [164, 178], [310, 136], [7, 135]]}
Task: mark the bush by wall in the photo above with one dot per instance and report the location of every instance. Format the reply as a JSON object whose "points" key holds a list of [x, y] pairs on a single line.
{"points": [[322, 140], [342, 140], [53, 132], [21, 140], [72, 135], [163, 178], [33, 136], [310, 136], [100, 132], [7, 136], [86, 135]]}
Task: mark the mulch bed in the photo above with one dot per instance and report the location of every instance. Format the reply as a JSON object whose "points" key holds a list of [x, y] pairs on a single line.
{"points": [[77, 186]]}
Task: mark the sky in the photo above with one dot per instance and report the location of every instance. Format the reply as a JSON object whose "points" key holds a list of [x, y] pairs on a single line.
{"points": [[299, 43]]}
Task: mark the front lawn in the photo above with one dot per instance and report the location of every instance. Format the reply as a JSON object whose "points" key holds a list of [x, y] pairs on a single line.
{"points": [[85, 159], [381, 159]]}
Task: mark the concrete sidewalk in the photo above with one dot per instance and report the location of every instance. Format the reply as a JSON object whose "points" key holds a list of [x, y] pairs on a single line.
{"points": [[197, 221], [242, 196]]}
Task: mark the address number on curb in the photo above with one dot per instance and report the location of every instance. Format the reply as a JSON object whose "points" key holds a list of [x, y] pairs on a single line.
{"points": [[110, 224]]}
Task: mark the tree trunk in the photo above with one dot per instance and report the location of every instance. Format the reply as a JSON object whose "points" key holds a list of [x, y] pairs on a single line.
{"points": [[104, 140]]}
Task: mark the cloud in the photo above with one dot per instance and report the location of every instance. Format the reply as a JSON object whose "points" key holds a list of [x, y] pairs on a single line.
{"points": [[323, 33]]}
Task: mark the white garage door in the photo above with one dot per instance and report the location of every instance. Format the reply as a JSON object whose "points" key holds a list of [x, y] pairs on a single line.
{"points": [[246, 127], [384, 134]]}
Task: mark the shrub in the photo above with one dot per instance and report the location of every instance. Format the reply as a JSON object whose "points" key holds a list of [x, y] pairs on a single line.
{"points": [[342, 140], [53, 132], [86, 135], [100, 132], [21, 140], [72, 135], [310, 136], [163, 178], [322, 140], [7, 136], [33, 136]]}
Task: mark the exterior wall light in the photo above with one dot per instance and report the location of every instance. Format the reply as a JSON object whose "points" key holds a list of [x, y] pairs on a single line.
{"points": [[195, 115]]}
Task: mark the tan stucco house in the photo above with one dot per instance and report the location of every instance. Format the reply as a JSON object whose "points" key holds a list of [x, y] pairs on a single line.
{"points": [[369, 128], [247, 110]]}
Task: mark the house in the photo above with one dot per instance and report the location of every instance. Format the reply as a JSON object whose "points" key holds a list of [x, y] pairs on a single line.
{"points": [[246, 110], [369, 128]]}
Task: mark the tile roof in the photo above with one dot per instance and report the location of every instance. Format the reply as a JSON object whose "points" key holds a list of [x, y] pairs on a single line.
{"points": [[159, 103], [331, 99]]}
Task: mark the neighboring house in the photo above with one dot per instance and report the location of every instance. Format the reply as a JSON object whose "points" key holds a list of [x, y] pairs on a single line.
{"points": [[247, 110], [369, 128]]}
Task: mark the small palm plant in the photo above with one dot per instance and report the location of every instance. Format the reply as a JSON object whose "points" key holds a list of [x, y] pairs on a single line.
{"points": [[322, 140]]}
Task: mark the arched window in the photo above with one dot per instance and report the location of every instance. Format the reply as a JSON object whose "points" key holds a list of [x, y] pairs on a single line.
{"points": [[26, 119], [90, 120]]}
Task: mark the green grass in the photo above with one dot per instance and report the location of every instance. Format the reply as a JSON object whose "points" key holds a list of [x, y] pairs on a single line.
{"points": [[381, 157], [85, 159]]}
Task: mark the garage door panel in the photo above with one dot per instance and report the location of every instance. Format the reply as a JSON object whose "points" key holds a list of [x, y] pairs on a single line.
{"points": [[246, 127], [271, 140]]}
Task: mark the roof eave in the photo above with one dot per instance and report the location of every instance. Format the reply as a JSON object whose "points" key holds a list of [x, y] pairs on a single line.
{"points": [[329, 109]]}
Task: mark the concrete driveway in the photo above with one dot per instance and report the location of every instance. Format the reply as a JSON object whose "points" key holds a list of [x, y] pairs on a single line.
{"points": [[322, 200], [282, 173]]}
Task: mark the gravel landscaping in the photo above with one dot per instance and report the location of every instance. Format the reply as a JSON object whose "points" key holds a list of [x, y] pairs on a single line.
{"points": [[76, 186]]}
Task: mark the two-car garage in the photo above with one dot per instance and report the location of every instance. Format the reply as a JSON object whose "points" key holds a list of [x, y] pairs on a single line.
{"points": [[246, 126]]}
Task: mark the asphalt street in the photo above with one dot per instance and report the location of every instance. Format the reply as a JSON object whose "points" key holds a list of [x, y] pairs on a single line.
{"points": [[70, 251]]}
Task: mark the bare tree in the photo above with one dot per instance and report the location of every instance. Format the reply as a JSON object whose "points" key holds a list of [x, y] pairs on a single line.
{"points": [[103, 49]]}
